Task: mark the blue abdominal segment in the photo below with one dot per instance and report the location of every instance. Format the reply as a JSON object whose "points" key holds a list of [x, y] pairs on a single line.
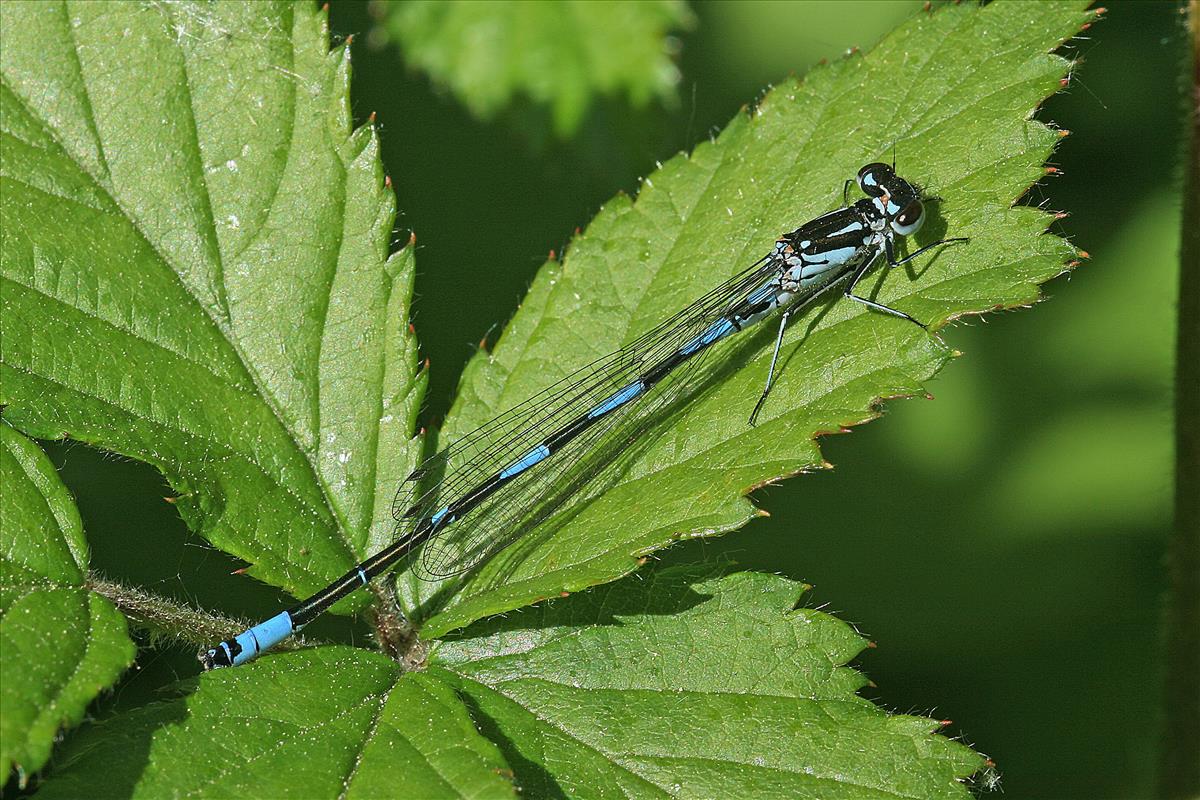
{"points": [[718, 330], [762, 293], [525, 462], [262, 636], [616, 400]]}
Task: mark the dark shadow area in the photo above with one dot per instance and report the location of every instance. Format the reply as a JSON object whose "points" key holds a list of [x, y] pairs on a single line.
{"points": [[108, 762]]}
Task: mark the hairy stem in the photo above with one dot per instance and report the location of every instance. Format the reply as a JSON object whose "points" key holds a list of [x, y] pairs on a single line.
{"points": [[165, 619], [1180, 767]]}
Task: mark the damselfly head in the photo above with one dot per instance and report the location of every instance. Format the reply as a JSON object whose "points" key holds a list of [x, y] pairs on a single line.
{"points": [[898, 199]]}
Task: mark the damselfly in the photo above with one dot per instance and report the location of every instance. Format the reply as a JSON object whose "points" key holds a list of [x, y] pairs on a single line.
{"points": [[465, 504]]}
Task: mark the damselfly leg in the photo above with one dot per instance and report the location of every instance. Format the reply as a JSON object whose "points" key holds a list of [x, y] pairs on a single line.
{"points": [[771, 372], [892, 262]]}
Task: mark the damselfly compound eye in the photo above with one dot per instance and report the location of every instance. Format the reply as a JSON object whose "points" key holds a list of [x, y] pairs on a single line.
{"points": [[873, 178], [909, 220]]}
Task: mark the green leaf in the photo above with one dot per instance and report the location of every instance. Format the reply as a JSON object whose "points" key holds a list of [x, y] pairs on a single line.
{"points": [[266, 369], [957, 118], [195, 270], [653, 688], [694, 684], [60, 643], [327, 722], [558, 54]]}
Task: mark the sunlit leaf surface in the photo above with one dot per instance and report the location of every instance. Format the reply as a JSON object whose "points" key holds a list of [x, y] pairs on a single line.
{"points": [[956, 118]]}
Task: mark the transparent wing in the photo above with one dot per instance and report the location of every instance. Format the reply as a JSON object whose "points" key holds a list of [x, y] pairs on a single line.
{"points": [[530, 497], [535, 496]]}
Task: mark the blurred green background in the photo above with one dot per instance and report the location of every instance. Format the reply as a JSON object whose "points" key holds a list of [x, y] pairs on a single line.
{"points": [[1002, 544]]}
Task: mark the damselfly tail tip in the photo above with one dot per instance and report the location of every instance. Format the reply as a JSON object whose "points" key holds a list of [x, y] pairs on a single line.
{"points": [[213, 658]]}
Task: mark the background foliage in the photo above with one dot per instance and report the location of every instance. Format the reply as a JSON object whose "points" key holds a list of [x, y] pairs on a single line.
{"points": [[1052, 439]]}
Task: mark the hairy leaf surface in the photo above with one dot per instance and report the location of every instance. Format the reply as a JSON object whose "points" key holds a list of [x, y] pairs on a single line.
{"points": [[691, 683]]}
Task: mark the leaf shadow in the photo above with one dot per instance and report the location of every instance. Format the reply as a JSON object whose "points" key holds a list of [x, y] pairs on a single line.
{"points": [[661, 591], [87, 752], [533, 778]]}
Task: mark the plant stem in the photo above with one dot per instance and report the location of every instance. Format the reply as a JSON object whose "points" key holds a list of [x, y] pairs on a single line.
{"points": [[1180, 767]]}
